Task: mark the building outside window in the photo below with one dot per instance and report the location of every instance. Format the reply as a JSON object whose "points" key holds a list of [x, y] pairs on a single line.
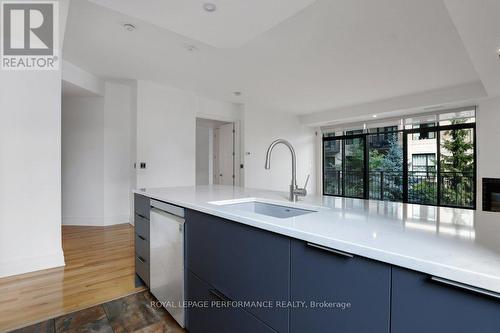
{"points": [[424, 162], [426, 159]]}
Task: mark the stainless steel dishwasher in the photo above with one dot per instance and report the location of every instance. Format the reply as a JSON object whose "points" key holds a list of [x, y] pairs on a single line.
{"points": [[167, 257]]}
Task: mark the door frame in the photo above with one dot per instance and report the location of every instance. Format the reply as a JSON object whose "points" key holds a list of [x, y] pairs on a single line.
{"points": [[238, 142]]}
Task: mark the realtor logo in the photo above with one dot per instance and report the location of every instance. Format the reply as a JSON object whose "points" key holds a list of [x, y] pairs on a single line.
{"points": [[29, 35]]}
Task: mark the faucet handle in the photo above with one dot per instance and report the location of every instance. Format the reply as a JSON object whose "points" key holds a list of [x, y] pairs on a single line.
{"points": [[307, 181], [302, 191]]}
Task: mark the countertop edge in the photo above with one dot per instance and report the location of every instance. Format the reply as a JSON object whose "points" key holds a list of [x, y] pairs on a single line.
{"points": [[467, 277]]}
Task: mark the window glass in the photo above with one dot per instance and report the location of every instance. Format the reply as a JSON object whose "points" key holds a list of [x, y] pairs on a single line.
{"points": [[422, 171], [332, 167], [386, 166], [457, 167], [354, 167], [424, 135], [457, 117], [424, 162], [404, 160], [419, 120]]}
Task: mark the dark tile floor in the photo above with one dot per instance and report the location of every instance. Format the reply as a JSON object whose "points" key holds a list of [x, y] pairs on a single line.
{"points": [[134, 313]]}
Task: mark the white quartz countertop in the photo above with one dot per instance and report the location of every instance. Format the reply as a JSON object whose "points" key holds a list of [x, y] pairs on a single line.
{"points": [[454, 244]]}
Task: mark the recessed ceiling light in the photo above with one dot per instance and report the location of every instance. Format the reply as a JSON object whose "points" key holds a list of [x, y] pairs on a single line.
{"points": [[374, 116], [191, 48], [237, 93], [209, 7], [129, 27]]}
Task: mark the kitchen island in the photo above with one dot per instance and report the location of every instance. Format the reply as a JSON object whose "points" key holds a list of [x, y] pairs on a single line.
{"points": [[401, 267]]}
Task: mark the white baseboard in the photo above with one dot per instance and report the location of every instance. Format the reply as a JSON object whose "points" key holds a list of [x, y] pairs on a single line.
{"points": [[95, 221], [28, 265], [120, 219]]}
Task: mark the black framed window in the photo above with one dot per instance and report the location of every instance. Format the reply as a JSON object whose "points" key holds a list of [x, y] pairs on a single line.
{"points": [[424, 162], [424, 135], [430, 163]]}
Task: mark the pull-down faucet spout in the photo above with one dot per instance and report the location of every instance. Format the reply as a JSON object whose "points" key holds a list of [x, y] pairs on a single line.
{"points": [[295, 191]]}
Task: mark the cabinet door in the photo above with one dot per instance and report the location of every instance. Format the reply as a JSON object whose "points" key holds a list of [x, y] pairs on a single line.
{"points": [[206, 312], [141, 206], [141, 221], [141, 227], [244, 263], [320, 275], [420, 304]]}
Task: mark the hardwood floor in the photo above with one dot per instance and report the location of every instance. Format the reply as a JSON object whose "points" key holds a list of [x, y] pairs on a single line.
{"points": [[99, 268]]}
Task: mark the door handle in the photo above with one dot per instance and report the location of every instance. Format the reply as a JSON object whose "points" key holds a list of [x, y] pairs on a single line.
{"points": [[141, 237], [142, 260], [219, 295], [327, 249], [465, 287]]}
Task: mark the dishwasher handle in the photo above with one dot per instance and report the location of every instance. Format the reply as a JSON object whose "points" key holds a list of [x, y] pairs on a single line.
{"points": [[168, 208]]}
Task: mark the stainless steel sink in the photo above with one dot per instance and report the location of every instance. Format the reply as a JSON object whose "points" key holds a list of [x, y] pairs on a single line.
{"points": [[264, 208]]}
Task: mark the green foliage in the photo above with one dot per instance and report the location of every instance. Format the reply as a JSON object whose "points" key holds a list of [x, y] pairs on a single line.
{"points": [[456, 151], [393, 161], [353, 178], [422, 191], [386, 170], [457, 167], [376, 160]]}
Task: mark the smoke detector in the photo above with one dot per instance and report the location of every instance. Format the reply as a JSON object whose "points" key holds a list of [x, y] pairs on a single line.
{"points": [[191, 48], [209, 7], [129, 27]]}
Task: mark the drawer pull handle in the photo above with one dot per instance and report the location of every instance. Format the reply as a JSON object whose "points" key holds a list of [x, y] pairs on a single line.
{"points": [[142, 216], [141, 259], [466, 287], [219, 295], [327, 249], [141, 237]]}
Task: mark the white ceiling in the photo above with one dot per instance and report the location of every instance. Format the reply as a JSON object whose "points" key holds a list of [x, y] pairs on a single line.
{"points": [[232, 24], [331, 54], [69, 89], [210, 123], [478, 23]]}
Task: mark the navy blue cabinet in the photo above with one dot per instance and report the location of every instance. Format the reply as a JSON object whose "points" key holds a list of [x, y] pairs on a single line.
{"points": [[328, 281], [327, 290], [141, 222], [142, 206], [208, 312], [241, 262], [420, 304]]}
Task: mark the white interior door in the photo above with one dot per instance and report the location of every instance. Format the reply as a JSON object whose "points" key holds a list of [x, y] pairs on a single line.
{"points": [[226, 154]]}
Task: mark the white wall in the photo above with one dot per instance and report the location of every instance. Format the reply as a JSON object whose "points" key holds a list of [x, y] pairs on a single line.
{"points": [[488, 137], [83, 160], [203, 156], [133, 122], [166, 127], [81, 79], [217, 110], [98, 149], [119, 155], [261, 127], [30, 168], [166, 132]]}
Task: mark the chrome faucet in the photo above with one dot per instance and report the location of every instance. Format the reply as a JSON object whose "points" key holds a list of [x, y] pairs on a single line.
{"points": [[295, 191]]}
